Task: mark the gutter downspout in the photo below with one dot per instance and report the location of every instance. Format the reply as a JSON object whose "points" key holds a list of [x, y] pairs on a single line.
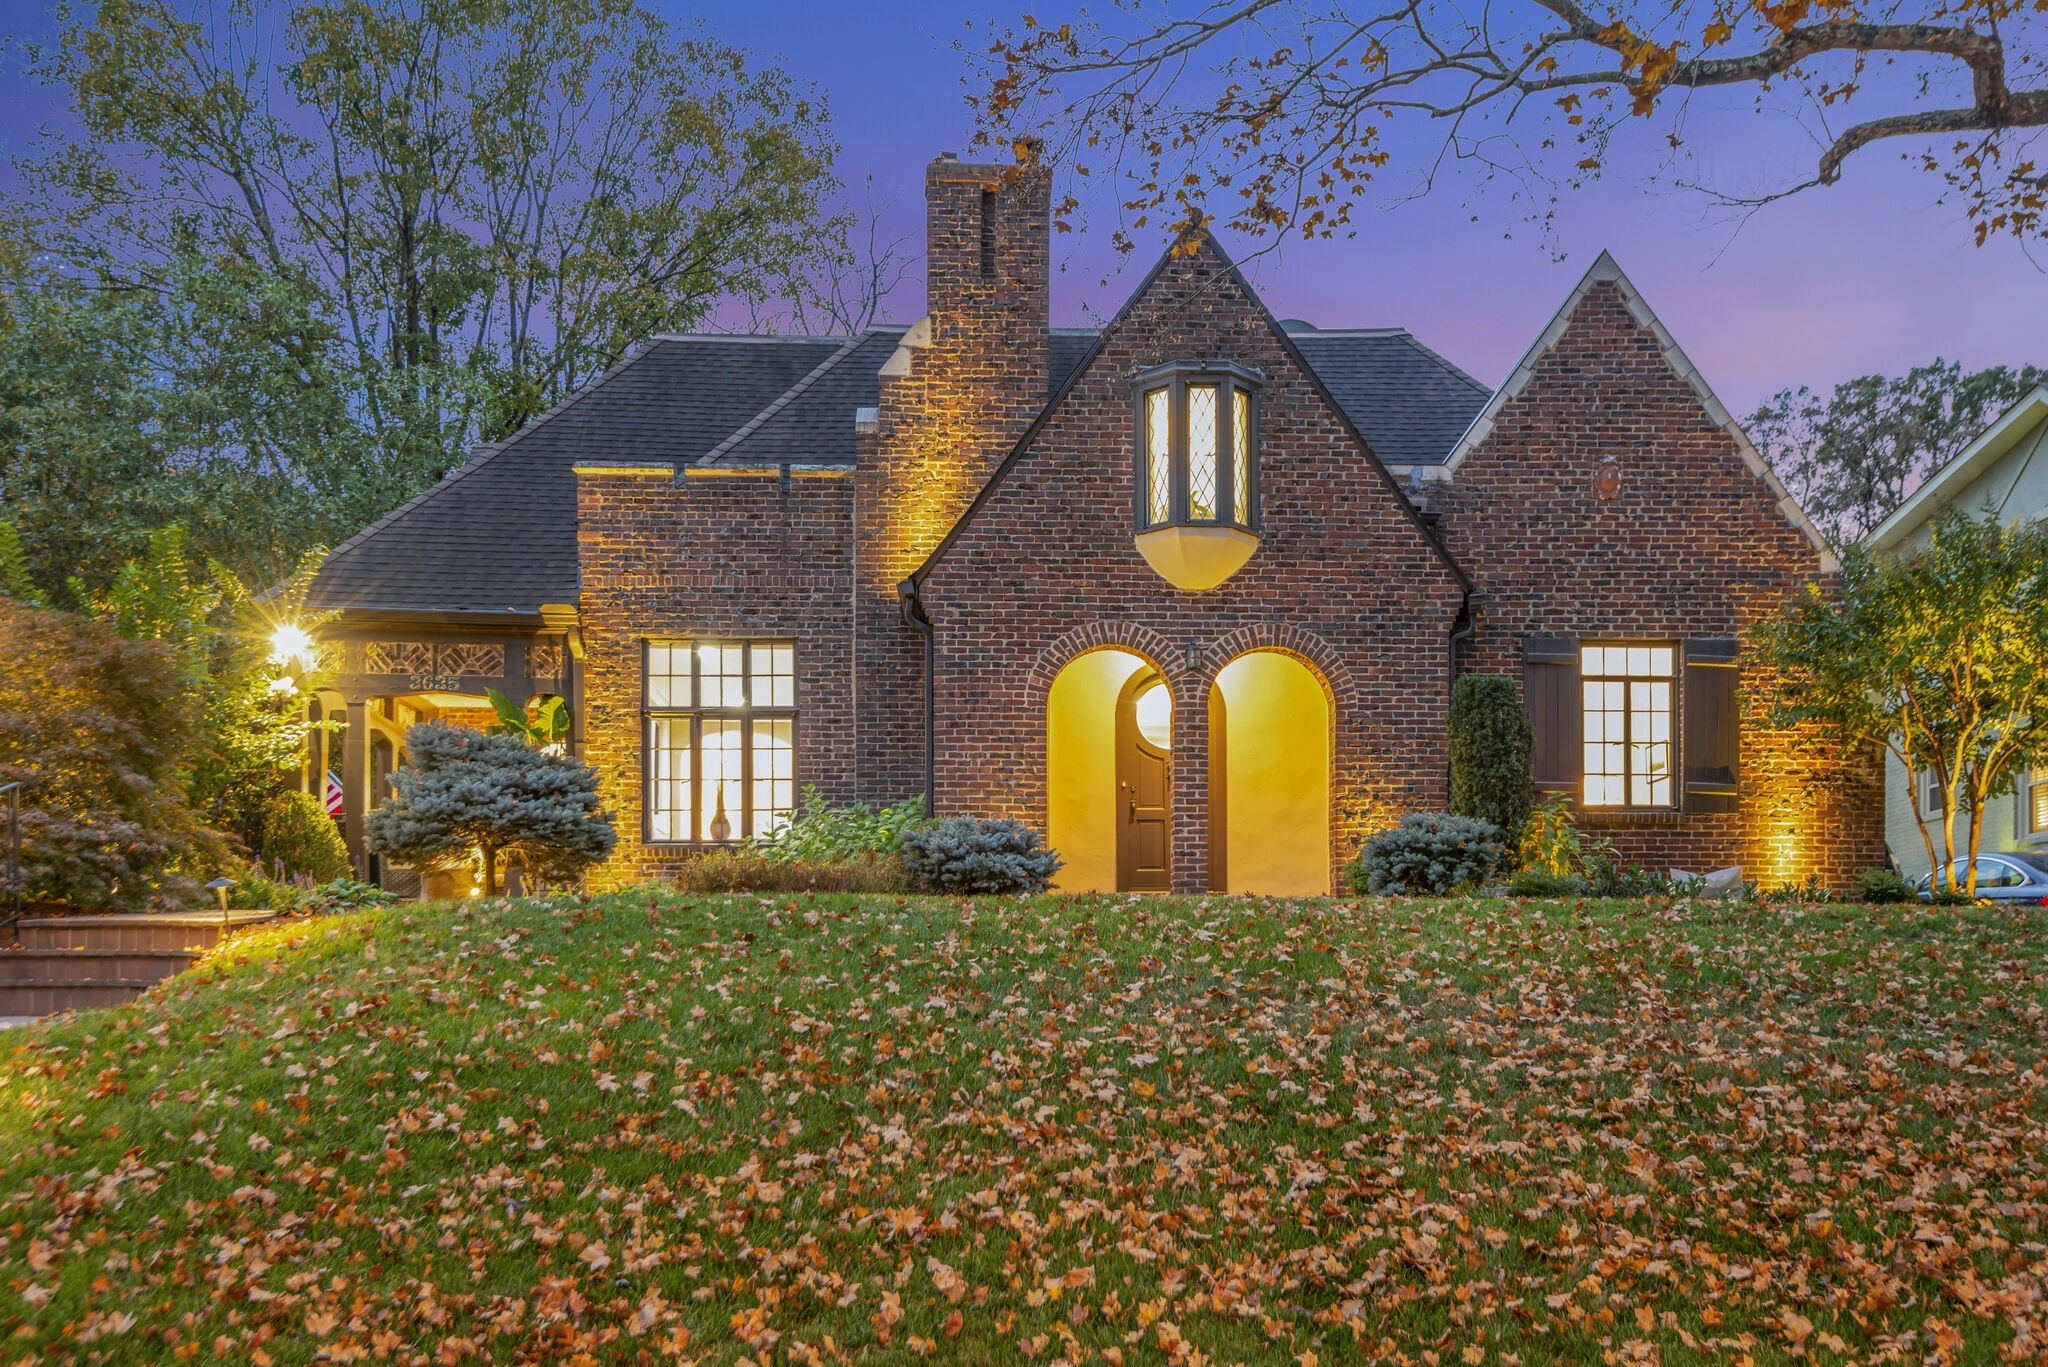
{"points": [[912, 607], [1462, 627]]}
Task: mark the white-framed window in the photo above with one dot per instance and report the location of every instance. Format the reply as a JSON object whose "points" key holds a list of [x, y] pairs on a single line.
{"points": [[2034, 803], [1197, 445], [1626, 692], [720, 753]]}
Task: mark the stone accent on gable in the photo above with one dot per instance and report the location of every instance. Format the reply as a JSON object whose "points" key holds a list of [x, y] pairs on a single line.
{"points": [[1689, 541], [731, 553], [1046, 569]]}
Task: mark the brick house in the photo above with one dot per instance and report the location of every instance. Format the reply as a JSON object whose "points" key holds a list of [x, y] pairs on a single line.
{"points": [[1189, 592]]}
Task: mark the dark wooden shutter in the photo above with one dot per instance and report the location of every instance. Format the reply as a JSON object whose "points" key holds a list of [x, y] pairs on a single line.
{"points": [[1550, 692], [1713, 725]]}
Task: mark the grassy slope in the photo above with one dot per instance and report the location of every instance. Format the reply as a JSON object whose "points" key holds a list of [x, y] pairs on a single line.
{"points": [[1115, 1130]]}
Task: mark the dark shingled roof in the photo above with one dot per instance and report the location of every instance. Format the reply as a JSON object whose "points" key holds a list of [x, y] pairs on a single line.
{"points": [[1410, 404], [499, 534]]}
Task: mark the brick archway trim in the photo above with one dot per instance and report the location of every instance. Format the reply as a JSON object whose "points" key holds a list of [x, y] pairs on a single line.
{"points": [[1288, 639], [1105, 635]]}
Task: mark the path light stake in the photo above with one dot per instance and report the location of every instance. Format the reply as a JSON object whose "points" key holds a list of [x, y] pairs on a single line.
{"points": [[219, 888]]}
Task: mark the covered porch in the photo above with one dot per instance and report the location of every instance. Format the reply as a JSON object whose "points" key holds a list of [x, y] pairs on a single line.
{"points": [[384, 672]]}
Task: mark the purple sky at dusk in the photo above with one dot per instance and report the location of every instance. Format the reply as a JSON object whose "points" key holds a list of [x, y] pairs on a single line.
{"points": [[1869, 275]]}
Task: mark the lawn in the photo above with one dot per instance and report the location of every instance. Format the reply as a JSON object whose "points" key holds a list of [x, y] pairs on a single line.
{"points": [[730, 1129]]}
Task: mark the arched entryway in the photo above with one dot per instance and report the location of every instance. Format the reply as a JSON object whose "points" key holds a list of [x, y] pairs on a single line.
{"points": [[1108, 773], [1269, 777]]}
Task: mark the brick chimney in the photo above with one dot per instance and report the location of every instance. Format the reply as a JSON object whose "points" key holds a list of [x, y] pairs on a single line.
{"points": [[959, 391]]}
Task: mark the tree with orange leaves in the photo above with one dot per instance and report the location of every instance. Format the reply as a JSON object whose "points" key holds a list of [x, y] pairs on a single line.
{"points": [[1275, 117]]}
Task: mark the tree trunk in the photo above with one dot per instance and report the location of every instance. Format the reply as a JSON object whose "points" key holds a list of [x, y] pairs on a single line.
{"points": [[1976, 834], [490, 854]]}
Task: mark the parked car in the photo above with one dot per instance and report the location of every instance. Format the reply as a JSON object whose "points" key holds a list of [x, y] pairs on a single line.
{"points": [[2003, 877]]}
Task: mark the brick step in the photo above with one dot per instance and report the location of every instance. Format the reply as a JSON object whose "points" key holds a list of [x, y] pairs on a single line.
{"points": [[180, 930], [31, 998], [93, 965]]}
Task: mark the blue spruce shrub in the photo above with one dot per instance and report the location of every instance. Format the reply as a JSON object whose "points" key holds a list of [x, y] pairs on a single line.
{"points": [[969, 854], [1429, 852]]}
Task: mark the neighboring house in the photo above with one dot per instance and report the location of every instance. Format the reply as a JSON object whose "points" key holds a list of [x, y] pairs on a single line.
{"points": [[2004, 471], [1188, 592]]}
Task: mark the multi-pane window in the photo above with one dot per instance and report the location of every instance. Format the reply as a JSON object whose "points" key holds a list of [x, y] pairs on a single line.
{"points": [[721, 739], [1627, 690], [1197, 445]]}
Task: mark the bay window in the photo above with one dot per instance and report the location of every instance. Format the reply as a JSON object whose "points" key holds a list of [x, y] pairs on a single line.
{"points": [[1197, 445], [1195, 485], [720, 739]]}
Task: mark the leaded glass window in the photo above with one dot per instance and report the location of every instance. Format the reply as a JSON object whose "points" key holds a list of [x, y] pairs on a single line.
{"points": [[721, 739], [1197, 445], [1241, 457], [1158, 454]]}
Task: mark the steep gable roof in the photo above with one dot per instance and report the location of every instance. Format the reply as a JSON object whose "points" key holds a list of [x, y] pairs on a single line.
{"points": [[1205, 242], [1950, 484], [1605, 270]]}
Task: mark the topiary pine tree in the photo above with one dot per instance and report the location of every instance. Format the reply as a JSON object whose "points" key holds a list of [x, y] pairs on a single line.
{"points": [[1490, 743], [463, 794]]}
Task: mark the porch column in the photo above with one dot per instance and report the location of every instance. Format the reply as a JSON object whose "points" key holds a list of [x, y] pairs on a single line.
{"points": [[355, 782]]}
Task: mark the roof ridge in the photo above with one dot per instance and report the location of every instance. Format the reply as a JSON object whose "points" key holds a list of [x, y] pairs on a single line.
{"points": [[791, 337], [781, 401], [483, 453], [1452, 367]]}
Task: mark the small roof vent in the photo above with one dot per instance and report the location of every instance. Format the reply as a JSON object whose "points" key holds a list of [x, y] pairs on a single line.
{"points": [[1297, 325]]}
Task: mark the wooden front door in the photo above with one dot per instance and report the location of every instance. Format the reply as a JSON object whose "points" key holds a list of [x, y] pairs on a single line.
{"points": [[1144, 791]]}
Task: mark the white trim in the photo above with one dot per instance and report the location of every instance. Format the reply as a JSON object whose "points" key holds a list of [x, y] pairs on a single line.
{"points": [[2004, 433], [1606, 271]]}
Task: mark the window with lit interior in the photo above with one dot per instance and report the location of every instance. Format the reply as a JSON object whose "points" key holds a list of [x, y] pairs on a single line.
{"points": [[721, 739], [1197, 447], [1627, 725]]}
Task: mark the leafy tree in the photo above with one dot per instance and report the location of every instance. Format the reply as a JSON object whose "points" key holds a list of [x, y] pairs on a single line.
{"points": [[95, 728], [1490, 744], [16, 580], [1278, 118], [249, 713], [1853, 457], [298, 257], [1939, 655], [464, 794]]}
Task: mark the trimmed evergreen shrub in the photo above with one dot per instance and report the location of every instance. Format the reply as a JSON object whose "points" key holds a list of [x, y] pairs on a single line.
{"points": [[970, 854], [1490, 743], [752, 871], [1428, 852], [462, 791], [300, 838], [1882, 887]]}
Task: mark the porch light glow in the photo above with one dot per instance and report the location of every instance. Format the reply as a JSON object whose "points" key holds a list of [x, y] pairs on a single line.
{"points": [[291, 646]]}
